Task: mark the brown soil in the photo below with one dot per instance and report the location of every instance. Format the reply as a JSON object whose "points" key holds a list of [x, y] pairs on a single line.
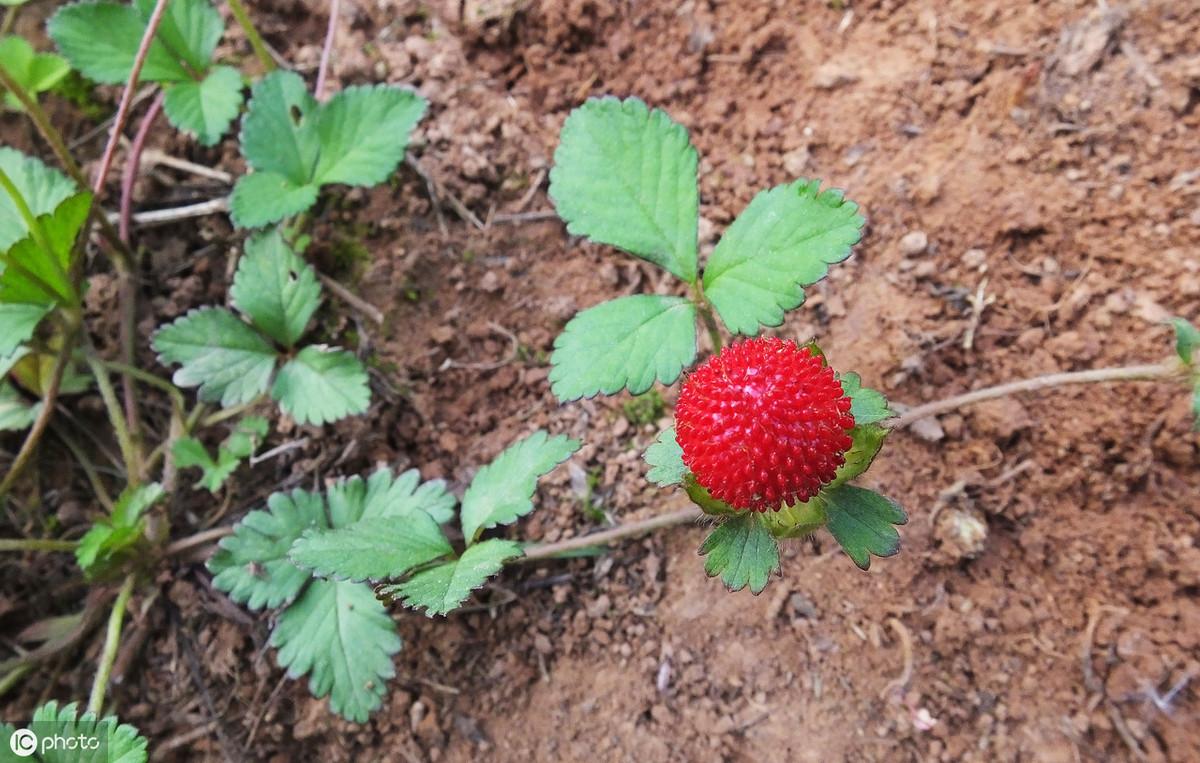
{"points": [[1044, 605]]}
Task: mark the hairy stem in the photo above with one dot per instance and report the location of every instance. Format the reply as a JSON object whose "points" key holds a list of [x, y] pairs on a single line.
{"points": [[129, 452], [330, 35], [112, 640], [36, 544], [256, 40], [710, 323]]}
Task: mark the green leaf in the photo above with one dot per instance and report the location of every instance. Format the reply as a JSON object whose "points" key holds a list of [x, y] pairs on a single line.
{"points": [[626, 176], [1187, 340], [442, 589], [252, 564], [341, 636], [205, 108], [867, 406], [867, 439], [15, 413], [624, 343], [108, 57], [321, 385], [110, 542], [784, 240], [376, 548], [36, 275], [382, 496], [43, 189], [17, 324], [666, 460], [227, 359], [364, 133], [264, 197], [278, 131], [275, 288], [501, 491], [117, 742], [34, 72], [241, 444], [743, 552], [862, 522], [190, 29]]}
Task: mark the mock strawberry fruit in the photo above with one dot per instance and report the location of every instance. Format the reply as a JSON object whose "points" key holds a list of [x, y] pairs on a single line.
{"points": [[763, 423]]}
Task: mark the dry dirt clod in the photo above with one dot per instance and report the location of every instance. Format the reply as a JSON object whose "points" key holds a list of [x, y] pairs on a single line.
{"points": [[914, 243]]}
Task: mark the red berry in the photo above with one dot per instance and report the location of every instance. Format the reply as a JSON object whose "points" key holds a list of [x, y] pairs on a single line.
{"points": [[763, 423]]}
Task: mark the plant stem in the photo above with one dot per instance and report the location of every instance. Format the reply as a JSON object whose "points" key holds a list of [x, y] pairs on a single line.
{"points": [[199, 539], [129, 453], [112, 640], [42, 122], [1149, 372], [255, 39], [230, 413], [10, 18], [133, 162], [89, 469], [36, 544], [330, 35], [148, 378], [710, 323]]}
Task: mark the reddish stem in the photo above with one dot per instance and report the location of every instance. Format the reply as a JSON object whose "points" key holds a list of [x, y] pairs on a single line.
{"points": [[330, 34], [133, 162]]}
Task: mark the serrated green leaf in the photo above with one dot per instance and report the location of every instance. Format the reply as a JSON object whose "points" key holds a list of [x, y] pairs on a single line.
{"points": [[867, 406], [108, 543], [364, 133], [1187, 340], [16, 414], [43, 189], [36, 275], [252, 564], [34, 72], [205, 108], [118, 742], [382, 496], [241, 444], [783, 241], [626, 176], [227, 359], [190, 29], [264, 197], [376, 548], [501, 491], [862, 521], [624, 343], [277, 290], [866, 439], [665, 458], [279, 133], [743, 552], [344, 639], [442, 589], [108, 57], [17, 324], [321, 385]]}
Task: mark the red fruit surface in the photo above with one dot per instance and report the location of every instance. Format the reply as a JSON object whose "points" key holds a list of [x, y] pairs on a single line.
{"points": [[763, 423]]}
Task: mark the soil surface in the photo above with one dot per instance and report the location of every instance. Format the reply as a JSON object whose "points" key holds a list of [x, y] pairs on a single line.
{"points": [[1031, 179]]}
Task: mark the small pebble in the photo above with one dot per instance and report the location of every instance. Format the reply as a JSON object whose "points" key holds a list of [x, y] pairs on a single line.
{"points": [[914, 243]]}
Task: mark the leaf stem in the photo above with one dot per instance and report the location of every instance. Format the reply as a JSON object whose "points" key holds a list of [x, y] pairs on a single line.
{"points": [[710, 323], [230, 413], [116, 418], [57, 145], [252, 35], [112, 640], [10, 18], [89, 469], [330, 36], [36, 544]]}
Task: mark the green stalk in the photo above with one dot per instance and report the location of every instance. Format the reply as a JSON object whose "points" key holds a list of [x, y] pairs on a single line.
{"points": [[710, 323], [116, 417], [256, 40], [230, 413], [36, 544], [112, 640]]}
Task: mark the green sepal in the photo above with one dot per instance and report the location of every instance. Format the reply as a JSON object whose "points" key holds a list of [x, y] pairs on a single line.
{"points": [[665, 458], [863, 523], [702, 498], [798, 520], [867, 406], [1187, 340], [743, 552], [867, 440]]}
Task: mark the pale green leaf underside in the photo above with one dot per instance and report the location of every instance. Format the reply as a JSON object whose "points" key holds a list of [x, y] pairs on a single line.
{"points": [[867, 406], [277, 290], [16, 414], [442, 589], [783, 241], [381, 495], [121, 743], [17, 324], [339, 635], [42, 188], [665, 458], [862, 521], [264, 197], [321, 385], [626, 176], [743, 552], [205, 108], [376, 548], [624, 343], [252, 564], [501, 491], [216, 351]]}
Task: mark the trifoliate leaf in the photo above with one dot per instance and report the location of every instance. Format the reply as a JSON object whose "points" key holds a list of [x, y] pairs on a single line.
{"points": [[34, 72], [501, 491], [862, 522], [108, 57], [867, 439], [624, 343], [277, 290], [666, 460], [442, 589], [42, 188], [321, 385], [17, 324], [264, 197], [626, 176], [37, 268], [867, 406], [784, 240], [376, 548], [111, 541], [1187, 340], [227, 359], [382, 496], [743, 552], [364, 133], [205, 108], [252, 564], [16, 414], [341, 636], [241, 444], [114, 742]]}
